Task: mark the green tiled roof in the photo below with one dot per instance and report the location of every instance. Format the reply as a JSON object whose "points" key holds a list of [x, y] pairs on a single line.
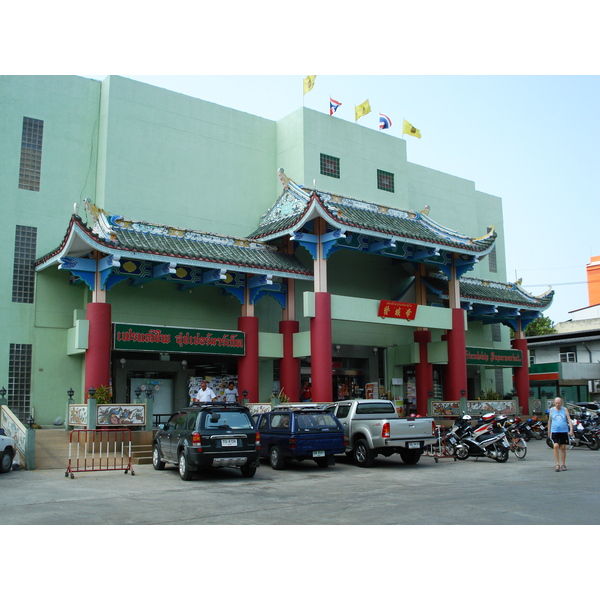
{"points": [[296, 205], [119, 236], [491, 292]]}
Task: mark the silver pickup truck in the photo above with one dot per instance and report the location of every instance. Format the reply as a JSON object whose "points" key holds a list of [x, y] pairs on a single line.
{"points": [[373, 427]]}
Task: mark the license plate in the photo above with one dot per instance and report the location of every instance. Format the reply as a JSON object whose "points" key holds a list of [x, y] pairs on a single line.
{"points": [[317, 453], [228, 442], [414, 445], [452, 440]]}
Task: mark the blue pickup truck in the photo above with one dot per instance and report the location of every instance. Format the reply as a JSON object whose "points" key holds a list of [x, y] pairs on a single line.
{"points": [[298, 434]]}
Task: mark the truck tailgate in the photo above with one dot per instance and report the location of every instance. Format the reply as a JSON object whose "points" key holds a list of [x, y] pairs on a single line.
{"points": [[411, 428]]}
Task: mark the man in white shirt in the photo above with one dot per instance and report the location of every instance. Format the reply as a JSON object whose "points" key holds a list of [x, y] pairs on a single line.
{"points": [[205, 394]]}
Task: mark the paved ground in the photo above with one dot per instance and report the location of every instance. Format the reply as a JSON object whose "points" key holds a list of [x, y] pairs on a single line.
{"points": [[469, 492]]}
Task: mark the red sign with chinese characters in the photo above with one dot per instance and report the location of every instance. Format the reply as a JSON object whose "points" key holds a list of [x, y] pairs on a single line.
{"points": [[397, 310]]}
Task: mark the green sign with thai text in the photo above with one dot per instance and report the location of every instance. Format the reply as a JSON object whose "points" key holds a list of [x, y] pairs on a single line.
{"points": [[148, 338], [494, 358]]}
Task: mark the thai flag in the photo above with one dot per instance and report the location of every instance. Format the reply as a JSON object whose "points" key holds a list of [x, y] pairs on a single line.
{"points": [[384, 122], [333, 105]]}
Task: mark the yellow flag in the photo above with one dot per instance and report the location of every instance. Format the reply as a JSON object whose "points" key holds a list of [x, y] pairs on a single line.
{"points": [[309, 83], [408, 128], [361, 110]]}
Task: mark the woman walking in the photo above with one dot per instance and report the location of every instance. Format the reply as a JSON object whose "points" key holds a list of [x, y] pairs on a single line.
{"points": [[560, 427]]}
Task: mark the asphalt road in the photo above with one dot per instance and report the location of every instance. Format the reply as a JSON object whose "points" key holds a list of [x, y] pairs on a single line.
{"points": [[471, 492]]}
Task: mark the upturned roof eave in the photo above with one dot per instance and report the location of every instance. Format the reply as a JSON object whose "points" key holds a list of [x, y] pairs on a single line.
{"points": [[78, 230], [316, 207]]}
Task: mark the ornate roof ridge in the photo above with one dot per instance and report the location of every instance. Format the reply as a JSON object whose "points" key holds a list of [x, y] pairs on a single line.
{"points": [[106, 225]]}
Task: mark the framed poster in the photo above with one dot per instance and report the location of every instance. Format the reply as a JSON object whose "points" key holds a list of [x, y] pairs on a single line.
{"points": [[119, 415], [78, 415]]}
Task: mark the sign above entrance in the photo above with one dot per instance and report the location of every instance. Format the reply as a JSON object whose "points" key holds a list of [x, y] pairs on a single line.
{"points": [[397, 310], [147, 338], [494, 358]]}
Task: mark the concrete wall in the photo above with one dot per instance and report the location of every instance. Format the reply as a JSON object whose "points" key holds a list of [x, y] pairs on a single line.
{"points": [[155, 155]]}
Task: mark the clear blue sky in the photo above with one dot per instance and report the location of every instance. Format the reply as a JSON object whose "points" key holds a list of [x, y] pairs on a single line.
{"points": [[527, 130]]}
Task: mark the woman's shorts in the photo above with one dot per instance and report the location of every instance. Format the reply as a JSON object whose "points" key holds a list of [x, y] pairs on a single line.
{"points": [[560, 438]]}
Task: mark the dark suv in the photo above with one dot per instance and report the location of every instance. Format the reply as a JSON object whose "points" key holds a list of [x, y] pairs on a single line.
{"points": [[298, 434], [215, 434]]}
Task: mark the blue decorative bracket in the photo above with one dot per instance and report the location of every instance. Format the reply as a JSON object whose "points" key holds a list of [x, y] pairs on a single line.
{"points": [[383, 245], [329, 241], [306, 240], [84, 268]]}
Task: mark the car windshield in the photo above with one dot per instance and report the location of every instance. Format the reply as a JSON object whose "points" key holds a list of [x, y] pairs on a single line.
{"points": [[227, 420], [375, 408], [319, 421]]}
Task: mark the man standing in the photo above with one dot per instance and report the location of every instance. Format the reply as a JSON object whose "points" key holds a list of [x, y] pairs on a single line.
{"points": [[231, 393], [205, 394], [560, 427]]}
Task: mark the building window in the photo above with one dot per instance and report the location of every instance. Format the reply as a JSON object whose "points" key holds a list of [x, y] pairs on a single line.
{"points": [[330, 166], [492, 263], [19, 379], [496, 332], [23, 273], [531, 357], [31, 154], [385, 181], [499, 379], [567, 354]]}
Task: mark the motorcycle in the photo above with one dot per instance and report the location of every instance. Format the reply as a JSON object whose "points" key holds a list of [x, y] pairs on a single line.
{"points": [[539, 429], [483, 441], [450, 436]]}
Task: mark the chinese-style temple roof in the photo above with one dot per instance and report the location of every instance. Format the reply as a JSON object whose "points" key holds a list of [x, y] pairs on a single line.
{"points": [[297, 206], [492, 301], [129, 239]]}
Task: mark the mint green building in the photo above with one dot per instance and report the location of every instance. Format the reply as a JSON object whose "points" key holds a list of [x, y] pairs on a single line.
{"points": [[185, 211]]}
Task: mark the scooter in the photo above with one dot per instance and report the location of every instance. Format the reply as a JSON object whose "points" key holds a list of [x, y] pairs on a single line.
{"points": [[484, 442]]}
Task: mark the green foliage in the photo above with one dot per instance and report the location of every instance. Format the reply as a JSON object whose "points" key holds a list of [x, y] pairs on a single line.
{"points": [[281, 397], [541, 326], [103, 394], [489, 395]]}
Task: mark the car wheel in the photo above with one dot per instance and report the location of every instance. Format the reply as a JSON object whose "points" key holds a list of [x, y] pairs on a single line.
{"points": [[184, 468], [247, 470], [363, 455], [276, 458], [157, 463], [6, 461]]}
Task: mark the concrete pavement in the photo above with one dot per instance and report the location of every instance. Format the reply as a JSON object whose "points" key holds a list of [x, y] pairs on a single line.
{"points": [[448, 492]]}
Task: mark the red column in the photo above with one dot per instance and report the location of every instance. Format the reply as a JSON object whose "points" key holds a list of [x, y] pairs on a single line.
{"points": [[248, 364], [289, 368], [97, 356], [456, 370], [521, 376], [320, 349], [423, 371]]}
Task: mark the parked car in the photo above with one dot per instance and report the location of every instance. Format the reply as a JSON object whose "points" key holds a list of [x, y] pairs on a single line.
{"points": [[8, 449], [215, 434], [298, 434], [373, 427]]}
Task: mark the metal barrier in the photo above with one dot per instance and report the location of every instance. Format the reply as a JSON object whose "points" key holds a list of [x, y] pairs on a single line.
{"points": [[93, 451]]}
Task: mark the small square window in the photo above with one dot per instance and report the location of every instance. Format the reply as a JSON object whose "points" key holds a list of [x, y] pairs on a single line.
{"points": [[385, 181], [330, 166]]}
